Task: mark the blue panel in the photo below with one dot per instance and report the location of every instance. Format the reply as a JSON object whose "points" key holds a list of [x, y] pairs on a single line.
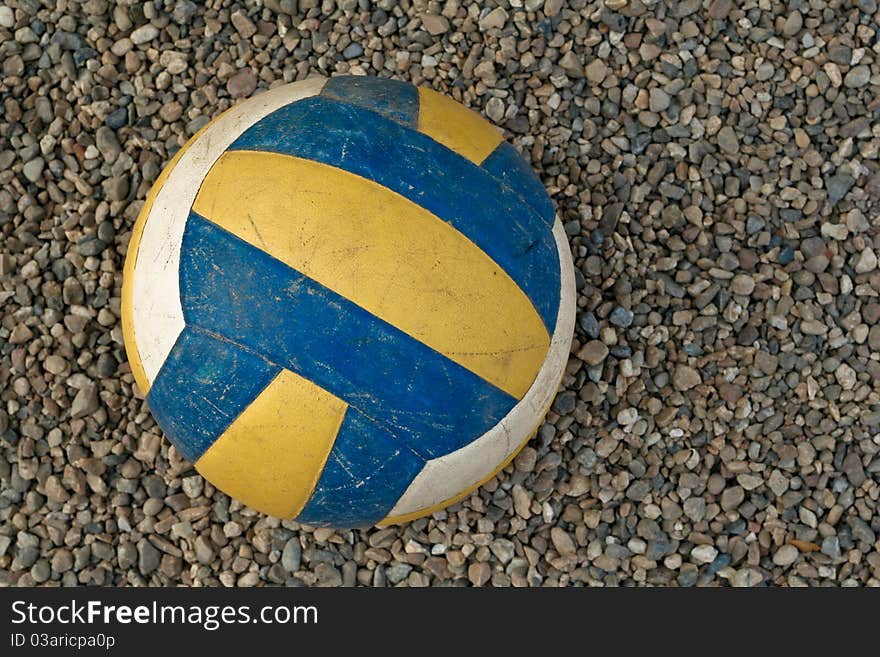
{"points": [[204, 384], [426, 401], [366, 473], [506, 164], [490, 214], [392, 99]]}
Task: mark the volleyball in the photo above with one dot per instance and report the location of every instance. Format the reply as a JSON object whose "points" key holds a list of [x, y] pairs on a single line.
{"points": [[348, 301]]}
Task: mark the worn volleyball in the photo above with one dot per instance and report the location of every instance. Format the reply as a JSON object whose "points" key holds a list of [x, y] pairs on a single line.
{"points": [[348, 301]]}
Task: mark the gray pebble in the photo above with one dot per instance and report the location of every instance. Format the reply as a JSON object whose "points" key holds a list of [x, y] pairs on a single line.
{"points": [[621, 317], [564, 403], [857, 77], [838, 186], [728, 140], [33, 170], [659, 100], [793, 24], [144, 34], [117, 118], [291, 556], [353, 51], [85, 402], [148, 557]]}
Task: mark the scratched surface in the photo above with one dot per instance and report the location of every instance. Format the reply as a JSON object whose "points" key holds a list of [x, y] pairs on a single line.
{"points": [[384, 253], [489, 213], [392, 99], [368, 470], [203, 386], [428, 402], [410, 408], [508, 166]]}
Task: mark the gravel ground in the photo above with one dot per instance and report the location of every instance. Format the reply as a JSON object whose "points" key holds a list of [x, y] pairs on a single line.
{"points": [[716, 167]]}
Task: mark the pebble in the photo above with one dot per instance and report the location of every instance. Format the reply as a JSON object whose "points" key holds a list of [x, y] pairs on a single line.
{"points": [[479, 573], [831, 547], [33, 170], [857, 77], [204, 550], [20, 334], [838, 186], [728, 141], [353, 51], [793, 24], [594, 352], [704, 554], [861, 531], [785, 556], [291, 556], [495, 109], [747, 578], [117, 118], [742, 284], [148, 557], [562, 541], [553, 7], [685, 378], [852, 467], [763, 73], [596, 71], [778, 483], [840, 53], [144, 34], [874, 338], [55, 364], [55, 490], [720, 9], [522, 502], [571, 64], [85, 402], [496, 18], [242, 84], [590, 325], [107, 143], [866, 262], [526, 459], [846, 376], [175, 63], [435, 24], [658, 100], [621, 317], [243, 25], [62, 560], [732, 497]]}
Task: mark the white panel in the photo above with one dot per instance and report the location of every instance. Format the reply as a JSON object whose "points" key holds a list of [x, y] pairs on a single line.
{"points": [[157, 315], [447, 476]]}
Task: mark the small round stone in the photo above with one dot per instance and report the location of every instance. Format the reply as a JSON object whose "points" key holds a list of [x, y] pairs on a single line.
{"points": [[857, 77], [594, 352], [785, 555], [242, 84]]}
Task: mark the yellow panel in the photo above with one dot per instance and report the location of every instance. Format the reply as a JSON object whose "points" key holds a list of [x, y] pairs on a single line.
{"points": [[272, 455], [455, 126], [131, 348], [384, 253]]}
